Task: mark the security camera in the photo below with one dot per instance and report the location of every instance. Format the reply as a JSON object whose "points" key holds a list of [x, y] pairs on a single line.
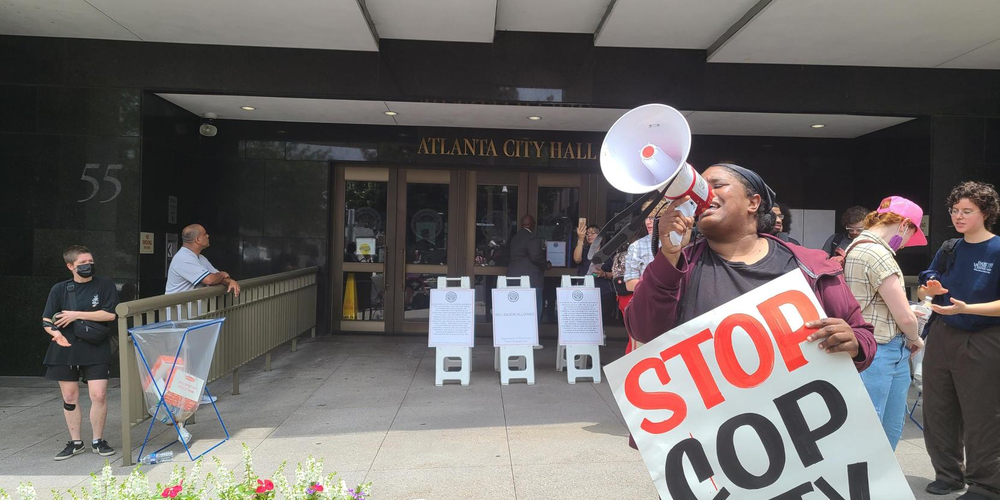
{"points": [[207, 129]]}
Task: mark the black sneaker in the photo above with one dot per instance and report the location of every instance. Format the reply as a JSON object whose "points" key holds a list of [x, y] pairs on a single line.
{"points": [[973, 496], [70, 450], [103, 449], [939, 487]]}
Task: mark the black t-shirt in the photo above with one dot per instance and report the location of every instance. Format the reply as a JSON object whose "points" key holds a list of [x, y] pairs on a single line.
{"points": [[98, 294], [716, 281]]}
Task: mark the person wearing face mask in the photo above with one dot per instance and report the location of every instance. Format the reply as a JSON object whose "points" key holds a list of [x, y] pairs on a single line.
{"points": [[962, 362], [79, 315], [876, 280]]}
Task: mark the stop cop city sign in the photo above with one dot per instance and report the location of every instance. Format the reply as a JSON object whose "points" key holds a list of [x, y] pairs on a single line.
{"points": [[737, 404]]}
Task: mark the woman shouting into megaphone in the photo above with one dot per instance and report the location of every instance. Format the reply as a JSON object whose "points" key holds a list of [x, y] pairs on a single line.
{"points": [[736, 256]]}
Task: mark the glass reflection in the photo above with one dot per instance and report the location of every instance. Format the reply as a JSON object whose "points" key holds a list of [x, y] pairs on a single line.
{"points": [[427, 223], [496, 223], [417, 296], [558, 213], [617, 202], [364, 296], [364, 225]]}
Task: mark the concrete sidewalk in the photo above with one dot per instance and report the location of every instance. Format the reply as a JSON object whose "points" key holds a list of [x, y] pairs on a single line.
{"points": [[368, 405]]}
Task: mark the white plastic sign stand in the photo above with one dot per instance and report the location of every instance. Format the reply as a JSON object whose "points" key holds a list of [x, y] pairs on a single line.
{"points": [[581, 331], [738, 403], [451, 330], [515, 329]]}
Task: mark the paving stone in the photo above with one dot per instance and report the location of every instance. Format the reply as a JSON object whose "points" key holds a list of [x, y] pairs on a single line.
{"points": [[449, 483]]}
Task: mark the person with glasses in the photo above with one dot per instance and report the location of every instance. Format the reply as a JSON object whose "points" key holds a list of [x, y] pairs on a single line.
{"points": [[962, 360], [852, 222], [871, 270], [602, 273], [782, 223]]}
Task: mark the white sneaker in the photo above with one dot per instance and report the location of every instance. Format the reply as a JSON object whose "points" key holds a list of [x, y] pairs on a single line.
{"points": [[207, 400]]}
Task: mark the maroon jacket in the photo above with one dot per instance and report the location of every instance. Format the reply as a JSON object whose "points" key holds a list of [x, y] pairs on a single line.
{"points": [[653, 309]]}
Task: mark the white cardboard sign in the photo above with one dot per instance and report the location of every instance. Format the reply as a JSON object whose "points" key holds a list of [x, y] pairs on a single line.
{"points": [[452, 318], [515, 317], [580, 316], [737, 404]]}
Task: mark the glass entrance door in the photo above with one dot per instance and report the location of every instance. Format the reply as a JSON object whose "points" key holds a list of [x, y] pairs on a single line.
{"points": [[426, 248], [401, 230], [363, 278], [559, 202]]}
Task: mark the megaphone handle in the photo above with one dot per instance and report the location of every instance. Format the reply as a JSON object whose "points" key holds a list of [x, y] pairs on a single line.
{"points": [[687, 208]]}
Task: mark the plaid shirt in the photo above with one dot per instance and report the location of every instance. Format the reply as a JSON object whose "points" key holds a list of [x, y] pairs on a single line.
{"points": [[638, 257], [867, 265]]}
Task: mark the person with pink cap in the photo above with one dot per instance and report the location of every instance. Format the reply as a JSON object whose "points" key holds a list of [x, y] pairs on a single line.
{"points": [[870, 269]]}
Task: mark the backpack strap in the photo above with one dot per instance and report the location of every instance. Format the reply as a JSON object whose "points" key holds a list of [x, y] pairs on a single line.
{"points": [[854, 244], [948, 249], [835, 244]]}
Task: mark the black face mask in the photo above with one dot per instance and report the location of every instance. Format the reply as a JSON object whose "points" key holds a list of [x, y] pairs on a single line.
{"points": [[86, 270]]}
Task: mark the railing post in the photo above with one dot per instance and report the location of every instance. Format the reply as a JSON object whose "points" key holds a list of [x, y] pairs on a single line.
{"points": [[236, 381], [125, 385]]}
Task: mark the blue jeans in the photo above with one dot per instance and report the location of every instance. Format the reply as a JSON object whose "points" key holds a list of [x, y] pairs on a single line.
{"points": [[887, 381]]}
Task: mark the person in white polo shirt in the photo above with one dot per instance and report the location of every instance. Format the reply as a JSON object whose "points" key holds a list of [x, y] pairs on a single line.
{"points": [[189, 269]]}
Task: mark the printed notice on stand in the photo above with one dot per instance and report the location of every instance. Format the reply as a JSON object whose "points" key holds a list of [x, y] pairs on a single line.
{"points": [[515, 317], [580, 316], [452, 318]]}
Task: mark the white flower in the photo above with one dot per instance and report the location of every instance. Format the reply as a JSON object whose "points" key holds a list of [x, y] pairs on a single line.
{"points": [[26, 491]]}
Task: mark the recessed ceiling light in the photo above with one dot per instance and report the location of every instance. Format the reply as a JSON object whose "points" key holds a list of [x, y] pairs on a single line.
{"points": [[390, 113], [817, 125], [534, 118], [247, 108]]}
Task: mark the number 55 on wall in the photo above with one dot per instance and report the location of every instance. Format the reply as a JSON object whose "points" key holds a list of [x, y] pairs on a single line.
{"points": [[109, 176]]}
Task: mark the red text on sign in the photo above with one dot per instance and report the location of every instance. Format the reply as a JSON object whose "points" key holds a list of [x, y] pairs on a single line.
{"points": [[689, 350]]}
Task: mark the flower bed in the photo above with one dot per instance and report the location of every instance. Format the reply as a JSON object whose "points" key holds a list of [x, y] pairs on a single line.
{"points": [[310, 484]]}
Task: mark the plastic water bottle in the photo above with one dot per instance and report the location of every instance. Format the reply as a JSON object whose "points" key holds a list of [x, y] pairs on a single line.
{"points": [[925, 309], [158, 458], [185, 436]]}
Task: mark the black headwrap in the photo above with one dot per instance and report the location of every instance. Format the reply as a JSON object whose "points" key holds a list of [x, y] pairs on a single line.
{"points": [[767, 195]]}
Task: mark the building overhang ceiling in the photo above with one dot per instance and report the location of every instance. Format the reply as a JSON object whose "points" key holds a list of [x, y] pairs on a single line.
{"points": [[491, 116], [898, 33]]}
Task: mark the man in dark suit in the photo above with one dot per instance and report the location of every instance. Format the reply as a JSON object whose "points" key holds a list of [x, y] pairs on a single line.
{"points": [[527, 257]]}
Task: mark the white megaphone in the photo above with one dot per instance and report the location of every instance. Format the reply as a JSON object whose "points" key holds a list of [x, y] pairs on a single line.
{"points": [[646, 150]]}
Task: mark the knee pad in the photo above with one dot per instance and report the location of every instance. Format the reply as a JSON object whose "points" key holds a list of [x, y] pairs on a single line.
{"points": [[68, 407]]}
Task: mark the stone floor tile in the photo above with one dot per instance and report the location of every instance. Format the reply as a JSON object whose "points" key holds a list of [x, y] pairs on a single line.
{"points": [[450, 483], [577, 481]]}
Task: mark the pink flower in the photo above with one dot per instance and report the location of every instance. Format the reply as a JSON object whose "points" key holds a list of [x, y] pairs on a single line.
{"points": [[264, 486], [172, 491]]}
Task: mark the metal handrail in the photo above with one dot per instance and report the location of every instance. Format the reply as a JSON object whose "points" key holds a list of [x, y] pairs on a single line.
{"points": [[270, 311]]}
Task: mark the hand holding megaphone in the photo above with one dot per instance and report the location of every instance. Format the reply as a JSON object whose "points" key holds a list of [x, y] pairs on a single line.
{"points": [[675, 227]]}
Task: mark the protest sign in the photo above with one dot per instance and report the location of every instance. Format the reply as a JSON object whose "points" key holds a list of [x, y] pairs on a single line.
{"points": [[452, 318], [579, 316], [515, 317], [737, 404]]}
